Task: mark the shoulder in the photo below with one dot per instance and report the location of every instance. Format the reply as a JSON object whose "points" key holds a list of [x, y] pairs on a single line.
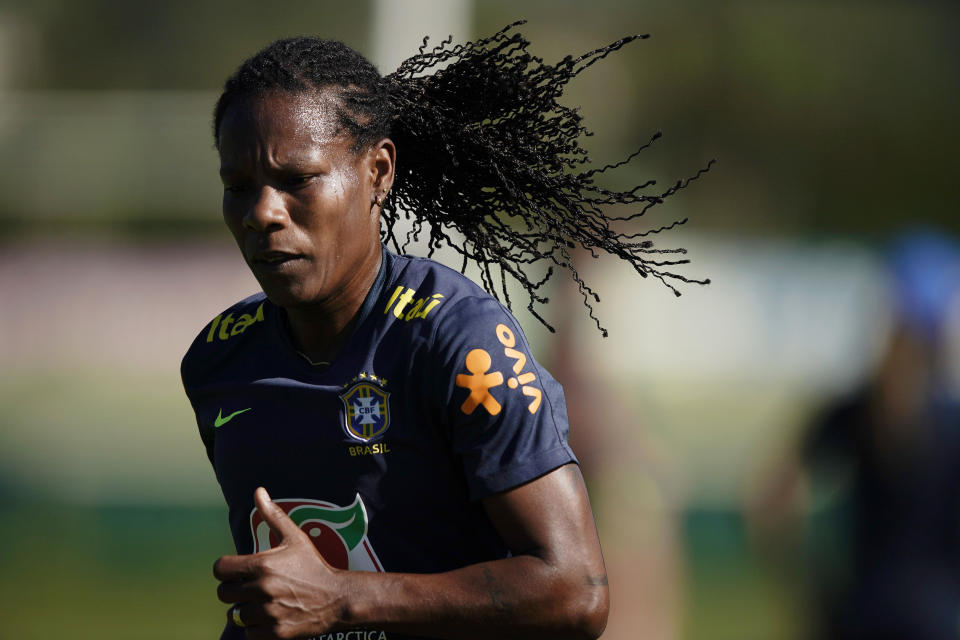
{"points": [[422, 289], [502, 413], [445, 317], [464, 327], [228, 331]]}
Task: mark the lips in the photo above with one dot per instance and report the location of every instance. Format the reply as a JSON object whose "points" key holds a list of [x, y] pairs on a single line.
{"points": [[274, 260]]}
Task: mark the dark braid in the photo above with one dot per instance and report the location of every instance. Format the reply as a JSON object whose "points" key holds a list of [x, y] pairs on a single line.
{"points": [[484, 148], [297, 65]]}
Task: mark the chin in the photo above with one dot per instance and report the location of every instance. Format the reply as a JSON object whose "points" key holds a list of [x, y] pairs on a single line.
{"points": [[282, 300], [284, 297]]}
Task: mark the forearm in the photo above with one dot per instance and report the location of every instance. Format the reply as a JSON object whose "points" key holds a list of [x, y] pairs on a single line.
{"points": [[553, 586], [523, 596]]}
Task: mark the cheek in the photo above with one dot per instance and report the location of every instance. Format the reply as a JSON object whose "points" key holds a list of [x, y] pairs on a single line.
{"points": [[339, 210], [346, 190], [232, 220]]}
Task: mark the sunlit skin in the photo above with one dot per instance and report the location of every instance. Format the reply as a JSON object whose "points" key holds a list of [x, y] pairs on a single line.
{"points": [[301, 204], [554, 586]]}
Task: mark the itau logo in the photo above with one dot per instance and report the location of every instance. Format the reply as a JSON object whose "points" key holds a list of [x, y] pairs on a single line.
{"points": [[338, 533]]}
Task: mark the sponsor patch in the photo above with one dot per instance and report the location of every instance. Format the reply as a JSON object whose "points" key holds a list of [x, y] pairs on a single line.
{"points": [[406, 306], [338, 533], [479, 379], [224, 328]]}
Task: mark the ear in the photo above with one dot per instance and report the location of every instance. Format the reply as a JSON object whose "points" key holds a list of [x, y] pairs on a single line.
{"points": [[382, 161]]}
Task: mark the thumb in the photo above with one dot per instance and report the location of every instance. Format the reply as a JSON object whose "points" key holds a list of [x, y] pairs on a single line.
{"points": [[278, 520]]}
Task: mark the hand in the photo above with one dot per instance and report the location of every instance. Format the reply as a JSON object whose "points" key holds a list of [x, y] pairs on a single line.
{"points": [[288, 591]]}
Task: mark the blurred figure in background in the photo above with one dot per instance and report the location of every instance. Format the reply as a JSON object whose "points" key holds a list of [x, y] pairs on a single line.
{"points": [[895, 445]]}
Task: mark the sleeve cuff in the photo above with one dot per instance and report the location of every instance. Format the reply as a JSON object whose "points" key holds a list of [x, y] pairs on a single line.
{"points": [[520, 473]]}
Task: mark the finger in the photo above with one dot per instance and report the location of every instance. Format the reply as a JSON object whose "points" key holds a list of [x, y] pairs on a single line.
{"points": [[280, 523], [248, 591], [235, 568], [235, 616], [248, 615]]}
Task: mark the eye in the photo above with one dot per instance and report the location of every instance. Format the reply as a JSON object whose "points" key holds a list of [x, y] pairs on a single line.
{"points": [[235, 186], [294, 182]]}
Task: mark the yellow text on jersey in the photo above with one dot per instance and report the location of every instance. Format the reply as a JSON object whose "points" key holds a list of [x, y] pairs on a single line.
{"points": [[223, 328], [405, 308]]}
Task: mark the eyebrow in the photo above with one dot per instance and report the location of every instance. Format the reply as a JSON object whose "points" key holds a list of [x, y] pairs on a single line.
{"points": [[295, 163]]}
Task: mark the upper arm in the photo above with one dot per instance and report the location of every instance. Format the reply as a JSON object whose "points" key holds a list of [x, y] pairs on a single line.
{"points": [[504, 415], [550, 518]]}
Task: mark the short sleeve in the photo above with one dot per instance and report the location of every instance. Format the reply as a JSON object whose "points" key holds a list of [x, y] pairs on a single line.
{"points": [[187, 378], [506, 415]]}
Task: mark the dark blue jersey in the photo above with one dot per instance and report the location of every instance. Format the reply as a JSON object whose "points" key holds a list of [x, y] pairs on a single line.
{"points": [[381, 457]]}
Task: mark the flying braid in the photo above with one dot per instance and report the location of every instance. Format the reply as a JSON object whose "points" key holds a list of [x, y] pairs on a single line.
{"points": [[485, 150]]}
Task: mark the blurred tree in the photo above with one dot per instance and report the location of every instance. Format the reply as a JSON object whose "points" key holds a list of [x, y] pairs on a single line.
{"points": [[112, 44], [827, 118]]}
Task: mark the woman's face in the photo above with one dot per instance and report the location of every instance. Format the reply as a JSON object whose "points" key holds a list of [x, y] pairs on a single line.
{"points": [[298, 200]]}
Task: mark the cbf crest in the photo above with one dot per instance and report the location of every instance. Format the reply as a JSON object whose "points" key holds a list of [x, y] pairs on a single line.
{"points": [[366, 407]]}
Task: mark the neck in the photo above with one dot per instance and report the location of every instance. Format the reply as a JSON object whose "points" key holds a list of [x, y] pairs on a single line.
{"points": [[319, 330]]}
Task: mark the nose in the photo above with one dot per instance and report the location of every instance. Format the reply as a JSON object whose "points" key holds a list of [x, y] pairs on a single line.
{"points": [[267, 212]]}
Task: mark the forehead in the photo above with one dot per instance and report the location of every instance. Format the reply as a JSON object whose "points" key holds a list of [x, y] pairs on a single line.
{"points": [[294, 123]]}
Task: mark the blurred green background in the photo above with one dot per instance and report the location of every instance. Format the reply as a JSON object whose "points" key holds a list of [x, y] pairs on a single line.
{"points": [[834, 126]]}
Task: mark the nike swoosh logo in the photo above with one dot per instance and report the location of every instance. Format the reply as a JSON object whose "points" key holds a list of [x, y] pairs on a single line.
{"points": [[220, 421]]}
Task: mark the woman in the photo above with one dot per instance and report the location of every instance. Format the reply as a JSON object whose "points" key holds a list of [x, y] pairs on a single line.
{"points": [[391, 406]]}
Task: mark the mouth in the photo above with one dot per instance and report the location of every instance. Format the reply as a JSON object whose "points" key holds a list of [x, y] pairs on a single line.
{"points": [[271, 260]]}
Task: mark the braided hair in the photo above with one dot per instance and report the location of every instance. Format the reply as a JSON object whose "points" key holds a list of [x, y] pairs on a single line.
{"points": [[486, 150]]}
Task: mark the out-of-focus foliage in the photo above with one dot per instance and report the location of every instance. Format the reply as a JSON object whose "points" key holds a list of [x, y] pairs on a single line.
{"points": [[97, 45], [825, 117]]}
